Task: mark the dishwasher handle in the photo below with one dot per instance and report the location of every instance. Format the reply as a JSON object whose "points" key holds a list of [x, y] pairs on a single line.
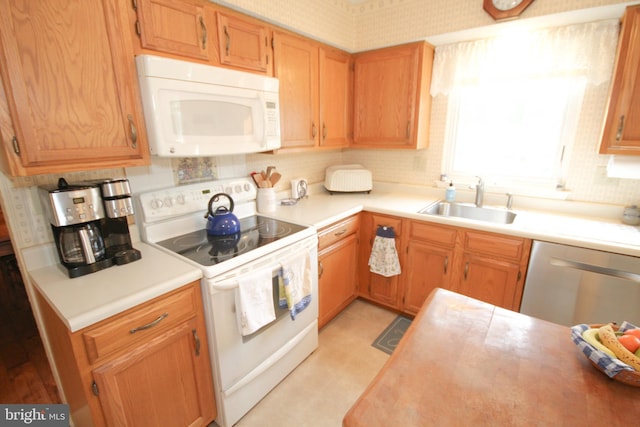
{"points": [[620, 274]]}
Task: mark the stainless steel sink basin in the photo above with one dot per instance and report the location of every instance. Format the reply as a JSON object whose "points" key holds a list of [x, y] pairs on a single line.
{"points": [[469, 211]]}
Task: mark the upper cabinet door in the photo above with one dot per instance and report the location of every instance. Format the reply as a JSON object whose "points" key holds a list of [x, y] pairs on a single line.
{"points": [[70, 88], [296, 66], [335, 98], [621, 131], [244, 43], [391, 97], [177, 27]]}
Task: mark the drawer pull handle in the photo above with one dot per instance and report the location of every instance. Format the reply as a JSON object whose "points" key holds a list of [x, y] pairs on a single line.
{"points": [[340, 233], [320, 269], [446, 264], [149, 325], [466, 270], [196, 340]]}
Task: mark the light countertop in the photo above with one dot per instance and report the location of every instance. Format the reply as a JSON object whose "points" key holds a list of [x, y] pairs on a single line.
{"points": [[579, 224], [85, 300]]}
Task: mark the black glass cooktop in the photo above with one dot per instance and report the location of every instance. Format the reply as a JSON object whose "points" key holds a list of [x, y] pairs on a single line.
{"points": [[255, 232]]}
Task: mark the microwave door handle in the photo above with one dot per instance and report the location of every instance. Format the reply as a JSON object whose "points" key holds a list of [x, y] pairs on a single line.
{"points": [[619, 274]]}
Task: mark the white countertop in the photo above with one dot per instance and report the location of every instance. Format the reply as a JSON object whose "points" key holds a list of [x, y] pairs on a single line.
{"points": [[85, 300], [533, 220]]}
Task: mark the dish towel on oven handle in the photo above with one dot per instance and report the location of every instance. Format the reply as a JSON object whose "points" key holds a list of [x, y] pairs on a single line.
{"points": [[295, 284], [254, 301], [384, 256]]}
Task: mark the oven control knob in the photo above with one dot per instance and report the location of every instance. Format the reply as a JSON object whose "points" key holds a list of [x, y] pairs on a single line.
{"points": [[156, 203], [228, 190], [238, 188], [180, 199], [247, 187], [167, 202]]}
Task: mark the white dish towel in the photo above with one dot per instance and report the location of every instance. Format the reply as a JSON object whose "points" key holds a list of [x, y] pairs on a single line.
{"points": [[295, 284], [254, 301]]}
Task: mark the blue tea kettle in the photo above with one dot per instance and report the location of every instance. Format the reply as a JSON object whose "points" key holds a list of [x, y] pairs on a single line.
{"points": [[222, 222]]}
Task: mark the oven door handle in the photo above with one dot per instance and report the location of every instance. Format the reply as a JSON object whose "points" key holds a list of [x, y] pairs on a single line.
{"points": [[230, 281]]}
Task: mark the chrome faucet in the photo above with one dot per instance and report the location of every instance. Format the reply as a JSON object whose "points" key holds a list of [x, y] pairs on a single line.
{"points": [[479, 187]]}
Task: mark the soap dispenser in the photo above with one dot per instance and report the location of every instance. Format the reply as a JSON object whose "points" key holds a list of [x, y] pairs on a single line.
{"points": [[450, 194]]}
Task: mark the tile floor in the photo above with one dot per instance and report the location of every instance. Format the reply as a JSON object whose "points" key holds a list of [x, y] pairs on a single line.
{"points": [[323, 388]]}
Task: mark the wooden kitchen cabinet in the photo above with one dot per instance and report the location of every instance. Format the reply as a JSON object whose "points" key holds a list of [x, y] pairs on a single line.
{"points": [[392, 104], [492, 268], [337, 267], [430, 262], [185, 27], [244, 43], [386, 291], [336, 82], [315, 93], [146, 366], [69, 98], [621, 130]]}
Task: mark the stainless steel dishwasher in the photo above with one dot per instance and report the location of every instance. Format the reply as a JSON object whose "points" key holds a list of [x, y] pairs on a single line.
{"points": [[570, 285]]}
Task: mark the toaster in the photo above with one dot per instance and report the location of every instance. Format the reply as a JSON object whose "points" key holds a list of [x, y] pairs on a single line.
{"points": [[347, 179]]}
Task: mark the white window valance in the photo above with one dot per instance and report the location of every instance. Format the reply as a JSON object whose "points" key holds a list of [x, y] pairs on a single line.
{"points": [[583, 50]]}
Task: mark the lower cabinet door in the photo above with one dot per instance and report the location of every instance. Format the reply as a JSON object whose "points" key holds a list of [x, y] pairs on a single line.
{"points": [[165, 381], [428, 267], [490, 280], [337, 277]]}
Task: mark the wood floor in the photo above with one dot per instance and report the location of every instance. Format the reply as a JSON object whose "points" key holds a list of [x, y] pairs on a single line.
{"points": [[25, 375]]}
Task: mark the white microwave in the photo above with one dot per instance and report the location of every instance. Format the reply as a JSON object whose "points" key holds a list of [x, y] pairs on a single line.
{"points": [[194, 110]]}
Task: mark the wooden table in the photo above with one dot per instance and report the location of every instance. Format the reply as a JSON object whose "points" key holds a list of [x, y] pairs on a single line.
{"points": [[467, 363]]}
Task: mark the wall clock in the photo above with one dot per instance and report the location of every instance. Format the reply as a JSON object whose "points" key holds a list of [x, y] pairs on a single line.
{"points": [[505, 9]]}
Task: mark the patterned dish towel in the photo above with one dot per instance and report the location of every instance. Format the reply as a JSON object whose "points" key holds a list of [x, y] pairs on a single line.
{"points": [[295, 284], [384, 256], [611, 366]]}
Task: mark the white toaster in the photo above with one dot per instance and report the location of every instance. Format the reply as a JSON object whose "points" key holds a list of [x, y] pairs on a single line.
{"points": [[347, 179]]}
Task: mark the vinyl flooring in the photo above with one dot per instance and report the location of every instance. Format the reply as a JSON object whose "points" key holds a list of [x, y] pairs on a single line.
{"points": [[25, 375], [323, 388]]}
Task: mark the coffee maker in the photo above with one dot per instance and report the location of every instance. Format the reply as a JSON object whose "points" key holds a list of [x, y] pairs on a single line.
{"points": [[89, 224]]}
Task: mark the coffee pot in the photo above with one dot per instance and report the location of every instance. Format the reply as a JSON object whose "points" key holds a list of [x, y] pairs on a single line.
{"points": [[81, 244]]}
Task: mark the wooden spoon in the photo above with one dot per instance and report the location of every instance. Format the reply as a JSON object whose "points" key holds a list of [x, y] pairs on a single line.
{"points": [[274, 178]]}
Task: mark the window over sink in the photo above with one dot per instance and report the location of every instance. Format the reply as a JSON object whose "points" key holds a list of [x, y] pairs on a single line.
{"points": [[514, 102]]}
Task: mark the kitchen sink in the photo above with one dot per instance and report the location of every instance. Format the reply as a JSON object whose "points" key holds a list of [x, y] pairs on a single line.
{"points": [[469, 211]]}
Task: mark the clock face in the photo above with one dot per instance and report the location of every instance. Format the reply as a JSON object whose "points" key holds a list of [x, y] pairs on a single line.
{"points": [[505, 9], [506, 4]]}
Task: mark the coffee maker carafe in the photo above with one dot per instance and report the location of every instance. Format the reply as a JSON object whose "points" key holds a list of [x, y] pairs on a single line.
{"points": [[75, 213]]}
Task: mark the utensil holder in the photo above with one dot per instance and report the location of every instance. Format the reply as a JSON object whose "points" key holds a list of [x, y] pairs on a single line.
{"points": [[266, 200]]}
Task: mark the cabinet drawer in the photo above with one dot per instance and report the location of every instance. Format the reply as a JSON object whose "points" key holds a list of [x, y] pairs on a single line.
{"points": [[333, 233], [433, 233], [140, 323], [494, 244]]}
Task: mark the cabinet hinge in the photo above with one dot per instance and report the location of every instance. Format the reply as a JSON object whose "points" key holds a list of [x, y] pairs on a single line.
{"points": [[94, 388], [16, 146], [134, 4], [519, 275]]}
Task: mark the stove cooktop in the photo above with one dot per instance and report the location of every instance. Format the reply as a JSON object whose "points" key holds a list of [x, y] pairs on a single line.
{"points": [[255, 232]]}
